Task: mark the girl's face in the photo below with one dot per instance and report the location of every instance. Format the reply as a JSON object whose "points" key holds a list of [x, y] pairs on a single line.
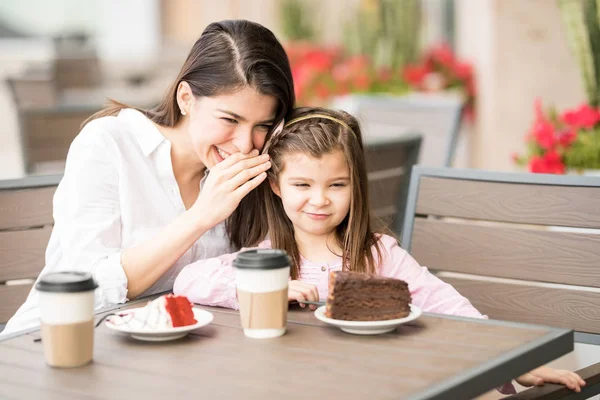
{"points": [[315, 193], [219, 126]]}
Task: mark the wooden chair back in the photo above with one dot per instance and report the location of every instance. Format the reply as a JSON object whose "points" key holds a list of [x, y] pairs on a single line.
{"points": [[389, 164], [521, 247], [25, 225]]}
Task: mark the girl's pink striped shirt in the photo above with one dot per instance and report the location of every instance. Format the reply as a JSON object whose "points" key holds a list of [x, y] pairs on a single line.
{"points": [[212, 281]]}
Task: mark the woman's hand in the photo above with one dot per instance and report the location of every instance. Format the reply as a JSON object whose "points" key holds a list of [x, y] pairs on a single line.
{"points": [[301, 291], [541, 375], [227, 184]]}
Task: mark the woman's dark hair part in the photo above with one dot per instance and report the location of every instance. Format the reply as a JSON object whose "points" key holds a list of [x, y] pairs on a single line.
{"points": [[228, 56]]}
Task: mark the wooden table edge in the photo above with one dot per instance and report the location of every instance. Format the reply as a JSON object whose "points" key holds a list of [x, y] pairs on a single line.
{"points": [[468, 384], [473, 382]]}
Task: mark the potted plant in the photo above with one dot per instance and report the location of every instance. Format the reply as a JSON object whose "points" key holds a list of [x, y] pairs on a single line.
{"points": [[566, 142]]}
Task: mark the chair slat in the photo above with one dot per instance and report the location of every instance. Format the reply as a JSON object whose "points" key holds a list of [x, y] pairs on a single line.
{"points": [[389, 161], [507, 252], [26, 207], [384, 192], [570, 206], [48, 135], [563, 308], [12, 298], [23, 253]]}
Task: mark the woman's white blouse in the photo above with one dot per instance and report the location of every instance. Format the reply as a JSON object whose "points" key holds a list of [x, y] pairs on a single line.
{"points": [[118, 190]]}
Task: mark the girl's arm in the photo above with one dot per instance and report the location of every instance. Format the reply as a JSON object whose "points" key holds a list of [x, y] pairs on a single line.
{"points": [[428, 292], [211, 282]]}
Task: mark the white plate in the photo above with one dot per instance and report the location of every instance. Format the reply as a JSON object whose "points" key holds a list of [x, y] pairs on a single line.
{"points": [[202, 317], [368, 327]]}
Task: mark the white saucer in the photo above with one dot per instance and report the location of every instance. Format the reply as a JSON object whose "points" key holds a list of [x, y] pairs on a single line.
{"points": [[202, 317], [368, 327]]}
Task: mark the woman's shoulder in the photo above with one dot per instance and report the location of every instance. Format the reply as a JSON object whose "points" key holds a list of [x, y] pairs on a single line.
{"points": [[100, 131], [111, 132]]}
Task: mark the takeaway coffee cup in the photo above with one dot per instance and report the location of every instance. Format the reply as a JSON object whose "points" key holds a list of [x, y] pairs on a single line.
{"points": [[262, 287], [67, 318]]}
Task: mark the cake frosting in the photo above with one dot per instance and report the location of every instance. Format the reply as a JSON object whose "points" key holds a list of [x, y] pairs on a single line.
{"points": [[168, 311], [357, 296]]}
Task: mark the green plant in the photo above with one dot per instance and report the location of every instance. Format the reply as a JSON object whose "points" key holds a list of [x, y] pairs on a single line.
{"points": [[571, 140], [582, 21], [296, 22], [387, 31]]}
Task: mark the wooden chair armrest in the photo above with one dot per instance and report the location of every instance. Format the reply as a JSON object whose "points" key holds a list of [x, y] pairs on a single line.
{"points": [[551, 391]]}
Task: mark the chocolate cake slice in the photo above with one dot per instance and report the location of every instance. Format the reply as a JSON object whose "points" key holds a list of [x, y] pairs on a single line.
{"points": [[355, 296]]}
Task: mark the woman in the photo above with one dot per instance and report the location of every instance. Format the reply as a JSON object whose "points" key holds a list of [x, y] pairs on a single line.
{"points": [[136, 203]]}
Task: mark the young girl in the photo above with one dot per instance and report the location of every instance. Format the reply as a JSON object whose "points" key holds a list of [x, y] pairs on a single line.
{"points": [[136, 203], [318, 211]]}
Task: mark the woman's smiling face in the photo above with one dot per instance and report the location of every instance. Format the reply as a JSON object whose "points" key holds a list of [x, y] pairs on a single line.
{"points": [[219, 126]]}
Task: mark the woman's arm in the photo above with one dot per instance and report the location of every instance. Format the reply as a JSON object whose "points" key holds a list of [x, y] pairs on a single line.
{"points": [[89, 219], [146, 263], [89, 216], [226, 185]]}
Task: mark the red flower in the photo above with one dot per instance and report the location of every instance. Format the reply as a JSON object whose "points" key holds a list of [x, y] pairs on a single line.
{"points": [[385, 74], [358, 63], [341, 72], [584, 117], [539, 110], [361, 81], [565, 138], [322, 91], [442, 54], [415, 74], [463, 70], [319, 60], [549, 163], [543, 133]]}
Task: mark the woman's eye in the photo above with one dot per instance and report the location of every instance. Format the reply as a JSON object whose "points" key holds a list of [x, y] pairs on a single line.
{"points": [[301, 184], [265, 127], [229, 120]]}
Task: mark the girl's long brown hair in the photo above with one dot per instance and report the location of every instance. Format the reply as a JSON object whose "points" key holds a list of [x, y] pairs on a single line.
{"points": [[315, 137], [228, 56]]}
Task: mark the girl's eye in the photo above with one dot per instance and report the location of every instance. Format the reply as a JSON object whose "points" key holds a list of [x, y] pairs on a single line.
{"points": [[229, 120], [265, 127], [339, 185], [301, 184]]}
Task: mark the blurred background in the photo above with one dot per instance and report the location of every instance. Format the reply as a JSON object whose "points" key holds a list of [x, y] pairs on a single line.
{"points": [[474, 78]]}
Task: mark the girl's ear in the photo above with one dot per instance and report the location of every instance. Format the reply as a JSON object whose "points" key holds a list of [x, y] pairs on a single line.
{"points": [[275, 187]]}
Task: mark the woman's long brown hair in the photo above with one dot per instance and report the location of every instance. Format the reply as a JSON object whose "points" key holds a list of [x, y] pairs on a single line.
{"points": [[228, 56], [315, 137]]}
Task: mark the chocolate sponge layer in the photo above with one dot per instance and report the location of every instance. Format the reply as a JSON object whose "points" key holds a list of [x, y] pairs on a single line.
{"points": [[356, 296]]}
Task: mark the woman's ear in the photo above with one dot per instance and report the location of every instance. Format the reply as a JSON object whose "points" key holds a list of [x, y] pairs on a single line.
{"points": [[185, 97], [275, 187]]}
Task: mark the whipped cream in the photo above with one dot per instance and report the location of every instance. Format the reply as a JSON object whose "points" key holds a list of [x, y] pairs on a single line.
{"points": [[154, 316]]}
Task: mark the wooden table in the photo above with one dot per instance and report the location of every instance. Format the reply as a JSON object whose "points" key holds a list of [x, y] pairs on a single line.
{"points": [[433, 358]]}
